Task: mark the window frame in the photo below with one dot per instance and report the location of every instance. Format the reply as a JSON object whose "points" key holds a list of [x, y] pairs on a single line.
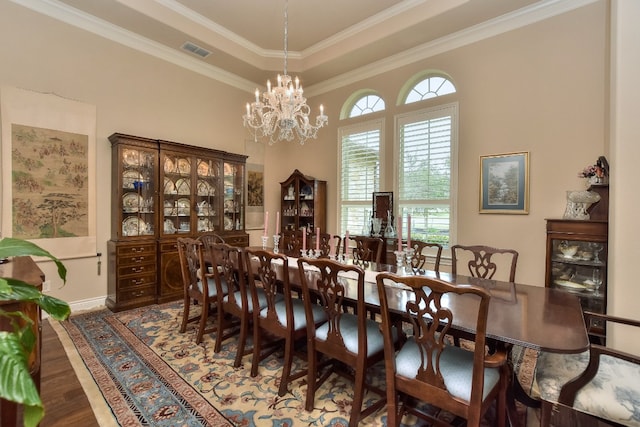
{"points": [[439, 110], [364, 126]]}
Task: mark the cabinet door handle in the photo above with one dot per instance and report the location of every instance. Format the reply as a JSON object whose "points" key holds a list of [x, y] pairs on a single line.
{"points": [[138, 270], [139, 259]]}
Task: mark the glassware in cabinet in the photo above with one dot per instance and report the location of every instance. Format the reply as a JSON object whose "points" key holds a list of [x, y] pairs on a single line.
{"points": [[177, 186], [233, 205], [137, 184], [207, 197]]}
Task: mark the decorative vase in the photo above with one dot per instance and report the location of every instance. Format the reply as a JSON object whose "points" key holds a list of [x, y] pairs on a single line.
{"points": [[578, 202]]}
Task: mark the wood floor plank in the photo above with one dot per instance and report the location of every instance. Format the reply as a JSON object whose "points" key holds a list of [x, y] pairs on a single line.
{"points": [[64, 400]]}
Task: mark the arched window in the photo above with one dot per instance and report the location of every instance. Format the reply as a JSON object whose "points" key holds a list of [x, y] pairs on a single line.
{"points": [[431, 87], [366, 105]]}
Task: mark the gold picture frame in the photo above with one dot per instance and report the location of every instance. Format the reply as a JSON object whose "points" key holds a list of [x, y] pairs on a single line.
{"points": [[504, 183]]}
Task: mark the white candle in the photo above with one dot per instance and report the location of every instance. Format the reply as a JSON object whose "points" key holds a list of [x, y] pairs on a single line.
{"points": [[408, 231], [304, 238], [278, 222], [332, 246], [266, 221], [318, 239], [400, 234]]}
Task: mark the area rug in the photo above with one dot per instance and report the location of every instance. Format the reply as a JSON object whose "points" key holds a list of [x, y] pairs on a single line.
{"points": [[150, 374]]}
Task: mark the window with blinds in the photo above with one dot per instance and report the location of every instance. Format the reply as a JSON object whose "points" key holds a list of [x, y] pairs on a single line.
{"points": [[360, 169], [426, 151]]}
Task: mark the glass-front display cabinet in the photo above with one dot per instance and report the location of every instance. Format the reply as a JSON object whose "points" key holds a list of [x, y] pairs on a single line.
{"points": [[233, 206], [303, 203], [577, 263], [134, 222], [164, 190]]}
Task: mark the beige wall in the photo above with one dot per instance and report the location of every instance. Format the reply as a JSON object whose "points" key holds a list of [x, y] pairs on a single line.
{"points": [[541, 88], [133, 93]]}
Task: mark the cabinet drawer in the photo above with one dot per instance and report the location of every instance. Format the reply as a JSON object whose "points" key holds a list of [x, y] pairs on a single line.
{"points": [[136, 250], [136, 269], [240, 241], [137, 259], [135, 293], [168, 247], [140, 280]]}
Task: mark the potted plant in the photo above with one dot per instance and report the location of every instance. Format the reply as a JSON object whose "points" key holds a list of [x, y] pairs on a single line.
{"points": [[16, 383]]}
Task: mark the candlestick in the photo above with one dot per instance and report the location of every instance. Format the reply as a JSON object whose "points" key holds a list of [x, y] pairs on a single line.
{"points": [[408, 230]]}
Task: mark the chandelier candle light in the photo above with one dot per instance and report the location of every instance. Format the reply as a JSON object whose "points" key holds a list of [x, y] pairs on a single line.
{"points": [[283, 112]]}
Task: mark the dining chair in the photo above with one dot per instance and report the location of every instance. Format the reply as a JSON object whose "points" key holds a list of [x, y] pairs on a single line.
{"points": [[346, 339], [210, 237], [427, 369], [235, 307], [596, 387], [291, 242], [198, 285], [282, 322], [484, 261], [366, 249], [325, 244], [421, 253]]}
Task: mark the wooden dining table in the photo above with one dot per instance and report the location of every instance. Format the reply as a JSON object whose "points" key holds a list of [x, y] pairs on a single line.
{"points": [[536, 317]]}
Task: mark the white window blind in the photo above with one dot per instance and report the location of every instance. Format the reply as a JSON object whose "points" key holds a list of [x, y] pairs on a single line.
{"points": [[426, 141], [359, 171]]}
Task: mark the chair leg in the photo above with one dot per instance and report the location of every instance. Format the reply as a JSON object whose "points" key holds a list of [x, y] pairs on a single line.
{"points": [[545, 413], [256, 350], [220, 328], [244, 329], [286, 368], [358, 396], [312, 366], [203, 322], [185, 315]]}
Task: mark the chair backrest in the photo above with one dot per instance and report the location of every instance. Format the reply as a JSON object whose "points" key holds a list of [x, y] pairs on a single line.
{"points": [[367, 249], [421, 251], [483, 261], [191, 258], [208, 238], [328, 283], [291, 242], [270, 272], [228, 268], [428, 312], [326, 240]]}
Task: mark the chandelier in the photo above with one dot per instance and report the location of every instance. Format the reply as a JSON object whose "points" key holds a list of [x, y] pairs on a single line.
{"points": [[283, 113]]}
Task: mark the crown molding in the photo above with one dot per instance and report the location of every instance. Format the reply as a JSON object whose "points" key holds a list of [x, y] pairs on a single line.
{"points": [[508, 22]]}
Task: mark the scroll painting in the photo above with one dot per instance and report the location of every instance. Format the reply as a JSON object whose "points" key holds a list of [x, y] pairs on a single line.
{"points": [[48, 172]]}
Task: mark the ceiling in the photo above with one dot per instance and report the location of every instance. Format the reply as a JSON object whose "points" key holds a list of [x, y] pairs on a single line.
{"points": [[326, 39]]}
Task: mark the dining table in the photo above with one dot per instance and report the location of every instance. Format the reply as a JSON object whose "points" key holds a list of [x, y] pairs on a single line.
{"points": [[536, 317]]}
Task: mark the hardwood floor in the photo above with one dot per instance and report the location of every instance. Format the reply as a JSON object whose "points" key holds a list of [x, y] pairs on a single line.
{"points": [[64, 399]]}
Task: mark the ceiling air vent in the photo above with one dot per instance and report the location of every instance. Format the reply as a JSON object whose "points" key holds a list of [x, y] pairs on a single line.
{"points": [[195, 49]]}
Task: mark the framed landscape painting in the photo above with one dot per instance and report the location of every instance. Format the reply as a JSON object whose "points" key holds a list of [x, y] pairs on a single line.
{"points": [[504, 183]]}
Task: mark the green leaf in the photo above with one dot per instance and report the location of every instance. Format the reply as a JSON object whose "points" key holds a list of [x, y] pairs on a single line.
{"points": [[17, 290], [10, 247], [16, 383]]}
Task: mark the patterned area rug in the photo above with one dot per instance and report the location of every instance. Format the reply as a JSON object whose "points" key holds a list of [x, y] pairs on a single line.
{"points": [[150, 374]]}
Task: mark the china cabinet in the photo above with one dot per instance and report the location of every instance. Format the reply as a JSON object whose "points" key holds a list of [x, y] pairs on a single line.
{"points": [[163, 190], [577, 263], [303, 203]]}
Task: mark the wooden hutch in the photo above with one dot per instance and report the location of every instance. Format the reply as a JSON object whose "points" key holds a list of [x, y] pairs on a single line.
{"points": [[163, 190]]}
